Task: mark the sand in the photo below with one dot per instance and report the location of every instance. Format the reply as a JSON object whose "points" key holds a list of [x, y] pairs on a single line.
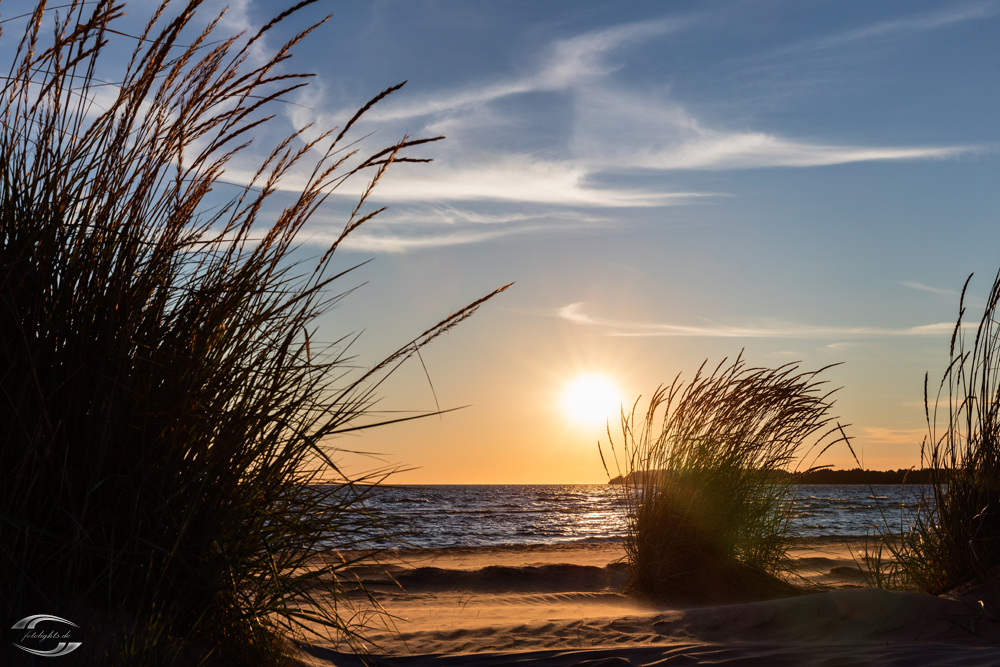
{"points": [[562, 605]]}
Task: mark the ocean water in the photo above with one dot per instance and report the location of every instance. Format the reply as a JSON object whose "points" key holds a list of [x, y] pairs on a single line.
{"points": [[488, 515]]}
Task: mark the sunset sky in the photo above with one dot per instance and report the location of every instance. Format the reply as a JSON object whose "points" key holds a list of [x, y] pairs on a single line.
{"points": [[666, 183]]}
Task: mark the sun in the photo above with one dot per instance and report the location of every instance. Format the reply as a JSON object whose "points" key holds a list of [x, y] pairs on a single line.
{"points": [[591, 399]]}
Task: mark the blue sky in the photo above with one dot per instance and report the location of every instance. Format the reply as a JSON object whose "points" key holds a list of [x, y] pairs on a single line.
{"points": [[667, 183]]}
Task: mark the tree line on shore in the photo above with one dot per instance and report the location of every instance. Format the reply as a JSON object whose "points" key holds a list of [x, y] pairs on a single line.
{"points": [[826, 476]]}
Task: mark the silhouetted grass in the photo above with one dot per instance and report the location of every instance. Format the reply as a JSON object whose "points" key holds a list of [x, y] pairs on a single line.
{"points": [[953, 539], [165, 408], [707, 507]]}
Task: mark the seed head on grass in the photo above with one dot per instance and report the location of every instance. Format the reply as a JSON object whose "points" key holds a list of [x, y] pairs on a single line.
{"points": [[165, 410]]}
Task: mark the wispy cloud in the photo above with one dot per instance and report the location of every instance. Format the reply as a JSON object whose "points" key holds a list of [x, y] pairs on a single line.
{"points": [[926, 288], [841, 346], [970, 300], [511, 179], [575, 314], [416, 228], [567, 63], [909, 25], [717, 150], [625, 129], [517, 178], [399, 243], [441, 214], [894, 436]]}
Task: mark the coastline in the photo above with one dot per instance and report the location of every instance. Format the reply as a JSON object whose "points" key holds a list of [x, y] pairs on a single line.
{"points": [[561, 604]]}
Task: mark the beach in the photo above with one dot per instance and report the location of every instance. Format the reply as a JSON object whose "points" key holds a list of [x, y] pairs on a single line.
{"points": [[562, 604]]}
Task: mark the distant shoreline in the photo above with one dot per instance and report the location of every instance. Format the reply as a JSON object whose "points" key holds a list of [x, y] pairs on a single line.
{"points": [[859, 476], [852, 476]]}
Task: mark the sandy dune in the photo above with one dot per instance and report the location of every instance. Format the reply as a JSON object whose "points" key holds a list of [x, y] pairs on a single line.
{"points": [[561, 605]]}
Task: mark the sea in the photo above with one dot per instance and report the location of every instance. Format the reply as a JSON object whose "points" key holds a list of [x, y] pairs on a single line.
{"points": [[442, 516]]}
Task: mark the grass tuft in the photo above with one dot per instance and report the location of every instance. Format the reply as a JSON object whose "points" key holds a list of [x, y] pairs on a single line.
{"points": [[705, 485], [953, 538], [166, 411]]}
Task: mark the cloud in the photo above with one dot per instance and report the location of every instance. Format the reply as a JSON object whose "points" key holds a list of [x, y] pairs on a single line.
{"points": [[511, 179], [382, 241], [913, 24], [894, 436], [436, 206], [840, 347], [397, 243], [517, 178], [926, 288], [628, 130], [574, 313], [566, 63], [718, 150], [452, 215], [969, 300], [417, 228]]}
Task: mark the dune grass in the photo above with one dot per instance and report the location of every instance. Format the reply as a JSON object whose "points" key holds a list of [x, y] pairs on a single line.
{"points": [[166, 409], [706, 503], [953, 538]]}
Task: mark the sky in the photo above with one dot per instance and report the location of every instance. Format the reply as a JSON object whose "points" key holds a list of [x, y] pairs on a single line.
{"points": [[665, 184]]}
